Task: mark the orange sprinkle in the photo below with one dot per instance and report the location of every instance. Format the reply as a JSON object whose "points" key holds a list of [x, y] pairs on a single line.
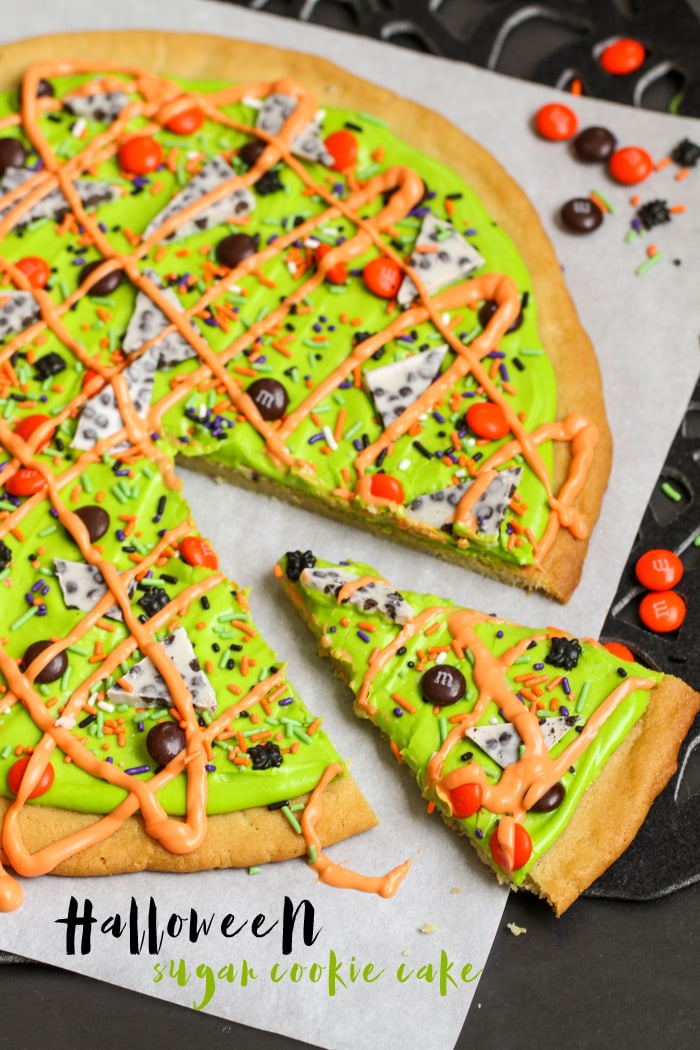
{"points": [[682, 174], [405, 704]]}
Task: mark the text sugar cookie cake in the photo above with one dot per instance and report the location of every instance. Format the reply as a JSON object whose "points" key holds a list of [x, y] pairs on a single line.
{"points": [[286, 295], [547, 751]]}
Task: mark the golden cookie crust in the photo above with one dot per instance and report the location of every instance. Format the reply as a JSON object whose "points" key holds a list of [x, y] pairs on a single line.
{"points": [[567, 345]]}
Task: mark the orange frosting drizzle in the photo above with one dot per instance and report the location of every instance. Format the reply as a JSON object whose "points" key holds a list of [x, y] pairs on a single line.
{"points": [[160, 100]]}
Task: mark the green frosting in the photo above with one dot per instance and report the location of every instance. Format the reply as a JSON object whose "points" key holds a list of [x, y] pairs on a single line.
{"points": [[203, 423], [417, 736]]}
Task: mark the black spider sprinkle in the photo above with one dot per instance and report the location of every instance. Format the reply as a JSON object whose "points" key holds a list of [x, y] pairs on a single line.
{"points": [[265, 756], [564, 653], [153, 600], [49, 365], [5, 556], [269, 183], [686, 153], [297, 561], [653, 213]]}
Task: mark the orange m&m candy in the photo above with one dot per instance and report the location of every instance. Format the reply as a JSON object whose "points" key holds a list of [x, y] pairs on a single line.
{"points": [[342, 146], [140, 154], [487, 420], [630, 165], [26, 482], [26, 427], [620, 650], [659, 569], [622, 57], [186, 122], [466, 800], [16, 775], [556, 122], [35, 269], [384, 486], [522, 849], [662, 611], [337, 274], [196, 551], [383, 277]]}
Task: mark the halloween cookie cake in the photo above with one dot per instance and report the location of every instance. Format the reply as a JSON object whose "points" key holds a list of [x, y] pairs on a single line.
{"points": [[287, 277], [547, 751]]}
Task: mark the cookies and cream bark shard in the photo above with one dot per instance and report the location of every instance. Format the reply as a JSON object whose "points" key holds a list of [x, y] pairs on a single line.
{"points": [[263, 238], [547, 751]]}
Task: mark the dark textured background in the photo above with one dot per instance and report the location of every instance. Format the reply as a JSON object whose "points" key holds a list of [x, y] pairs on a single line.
{"points": [[615, 971]]}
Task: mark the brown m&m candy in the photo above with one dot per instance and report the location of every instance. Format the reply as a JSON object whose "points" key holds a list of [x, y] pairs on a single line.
{"points": [[44, 89], [252, 151], [581, 215], [12, 154], [269, 397], [443, 684], [165, 741], [107, 284], [233, 249], [54, 669], [594, 144], [488, 309], [95, 519], [551, 799]]}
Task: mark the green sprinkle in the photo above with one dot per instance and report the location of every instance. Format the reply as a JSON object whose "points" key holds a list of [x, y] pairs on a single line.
{"points": [[696, 541], [86, 483], [78, 650], [608, 206], [24, 618], [354, 429], [118, 494], [442, 727], [580, 703], [531, 352], [292, 819], [302, 736], [253, 871], [6, 752], [313, 854], [48, 530], [648, 263], [672, 493], [368, 171]]}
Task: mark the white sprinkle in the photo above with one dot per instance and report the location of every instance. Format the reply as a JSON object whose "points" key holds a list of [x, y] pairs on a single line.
{"points": [[105, 705], [332, 443], [79, 127], [65, 722], [404, 464], [440, 658], [254, 103], [493, 721], [311, 242], [461, 473]]}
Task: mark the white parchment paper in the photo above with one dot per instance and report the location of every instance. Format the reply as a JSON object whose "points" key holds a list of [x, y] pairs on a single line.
{"points": [[398, 972]]}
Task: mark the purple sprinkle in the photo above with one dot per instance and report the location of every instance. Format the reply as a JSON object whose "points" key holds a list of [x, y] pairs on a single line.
{"points": [[79, 260], [504, 373], [121, 473], [405, 338], [398, 712], [363, 636], [286, 702], [565, 685], [538, 667], [109, 759], [496, 353], [53, 512], [135, 770], [29, 598], [210, 768], [314, 438], [636, 225], [37, 586], [345, 385], [438, 417], [479, 833], [41, 610], [499, 634], [45, 590], [332, 630], [471, 232], [357, 445], [139, 726], [121, 535], [564, 711]]}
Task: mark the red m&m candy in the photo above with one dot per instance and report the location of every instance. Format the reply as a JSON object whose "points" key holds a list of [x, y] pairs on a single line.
{"points": [[140, 154], [466, 800], [662, 611], [342, 146], [384, 486], [16, 775], [522, 849], [337, 274], [556, 122], [383, 277], [630, 165], [186, 122], [622, 57], [487, 420], [26, 427], [659, 569], [35, 269], [196, 551], [26, 482], [620, 651]]}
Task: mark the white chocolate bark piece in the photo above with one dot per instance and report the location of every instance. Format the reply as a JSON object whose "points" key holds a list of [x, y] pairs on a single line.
{"points": [[104, 106], [371, 597], [397, 386], [308, 145], [83, 586], [147, 322], [17, 311], [437, 509], [100, 416], [236, 204], [54, 205], [502, 742], [450, 258], [148, 687]]}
